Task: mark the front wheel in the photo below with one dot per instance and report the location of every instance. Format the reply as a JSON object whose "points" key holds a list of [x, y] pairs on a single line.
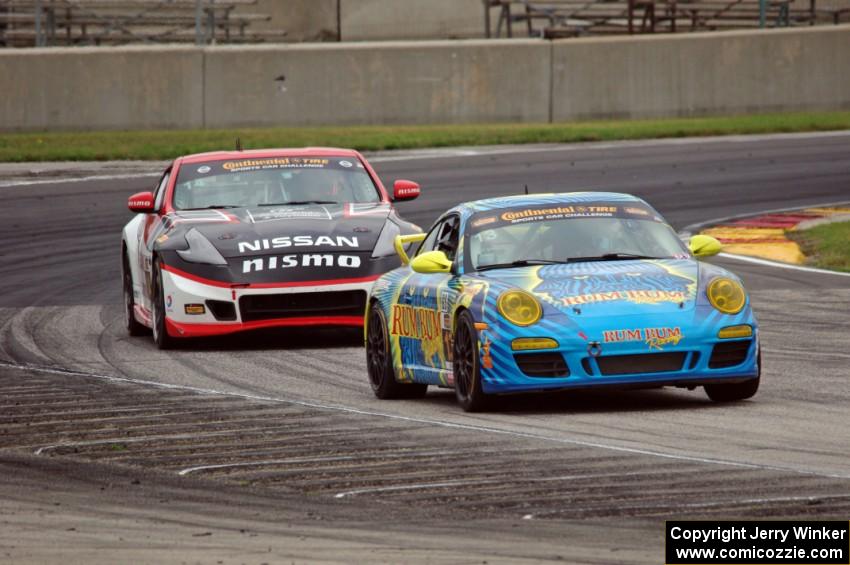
{"points": [[467, 368], [735, 391], [133, 327], [160, 333], [380, 363]]}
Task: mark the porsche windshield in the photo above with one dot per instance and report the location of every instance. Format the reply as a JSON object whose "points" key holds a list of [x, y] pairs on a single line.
{"points": [[569, 233], [272, 181]]}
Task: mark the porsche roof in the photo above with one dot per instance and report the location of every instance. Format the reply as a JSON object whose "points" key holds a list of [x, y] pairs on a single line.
{"points": [[545, 199]]}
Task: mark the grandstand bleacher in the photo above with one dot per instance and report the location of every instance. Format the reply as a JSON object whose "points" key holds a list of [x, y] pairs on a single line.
{"points": [[25, 23], [571, 18]]}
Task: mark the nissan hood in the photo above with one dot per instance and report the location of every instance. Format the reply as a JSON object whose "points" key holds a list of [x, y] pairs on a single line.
{"points": [[270, 230]]}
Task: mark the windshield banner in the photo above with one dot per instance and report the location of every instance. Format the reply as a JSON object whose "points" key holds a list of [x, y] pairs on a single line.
{"points": [[494, 219], [194, 171]]}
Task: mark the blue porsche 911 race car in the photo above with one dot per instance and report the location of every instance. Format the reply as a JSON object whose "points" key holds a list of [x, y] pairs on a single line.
{"points": [[560, 291]]}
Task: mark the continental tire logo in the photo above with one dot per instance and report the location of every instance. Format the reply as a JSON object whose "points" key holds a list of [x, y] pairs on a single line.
{"points": [[511, 216]]}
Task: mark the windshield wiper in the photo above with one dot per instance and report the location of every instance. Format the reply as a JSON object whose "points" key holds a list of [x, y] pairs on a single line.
{"points": [[610, 257], [213, 207], [298, 203], [518, 263]]}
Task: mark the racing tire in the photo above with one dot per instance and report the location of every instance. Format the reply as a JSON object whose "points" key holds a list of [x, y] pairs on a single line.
{"points": [[379, 362], [160, 332], [467, 366], [133, 327], [735, 391]]}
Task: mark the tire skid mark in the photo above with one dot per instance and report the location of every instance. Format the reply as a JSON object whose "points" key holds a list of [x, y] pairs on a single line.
{"points": [[474, 482], [438, 423], [19, 340], [134, 417], [57, 401], [57, 341], [363, 473], [518, 487], [106, 346], [242, 448], [147, 411], [213, 376], [318, 449], [6, 314], [194, 435], [308, 371], [297, 460], [312, 443], [124, 439], [798, 353], [724, 504], [81, 276], [596, 497]]}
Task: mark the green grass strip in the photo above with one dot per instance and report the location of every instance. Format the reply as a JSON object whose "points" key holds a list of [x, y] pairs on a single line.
{"points": [[167, 144], [827, 246]]}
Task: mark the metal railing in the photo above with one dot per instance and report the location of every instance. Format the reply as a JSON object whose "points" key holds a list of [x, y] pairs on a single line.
{"points": [[69, 22], [567, 18]]}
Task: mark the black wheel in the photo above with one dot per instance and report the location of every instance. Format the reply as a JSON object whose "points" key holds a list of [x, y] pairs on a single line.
{"points": [[467, 368], [133, 327], [735, 391], [160, 334], [380, 363]]}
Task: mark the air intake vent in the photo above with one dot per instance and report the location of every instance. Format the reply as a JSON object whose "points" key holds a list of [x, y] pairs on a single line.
{"points": [[222, 310], [302, 304], [729, 354], [542, 364], [642, 363]]}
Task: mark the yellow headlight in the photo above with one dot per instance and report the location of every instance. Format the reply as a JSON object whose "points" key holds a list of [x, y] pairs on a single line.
{"points": [[732, 332], [527, 343], [519, 307], [726, 295]]}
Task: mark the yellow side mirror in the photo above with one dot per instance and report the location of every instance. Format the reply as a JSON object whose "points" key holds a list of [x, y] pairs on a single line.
{"points": [[401, 241], [431, 262], [704, 246]]}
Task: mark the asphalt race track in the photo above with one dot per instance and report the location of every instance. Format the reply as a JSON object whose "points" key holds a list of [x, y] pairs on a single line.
{"points": [[278, 433]]}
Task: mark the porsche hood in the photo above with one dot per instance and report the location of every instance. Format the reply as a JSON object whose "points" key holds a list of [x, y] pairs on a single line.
{"points": [[609, 288]]}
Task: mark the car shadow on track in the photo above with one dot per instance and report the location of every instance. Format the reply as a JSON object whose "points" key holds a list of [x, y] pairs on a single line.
{"points": [[587, 401]]}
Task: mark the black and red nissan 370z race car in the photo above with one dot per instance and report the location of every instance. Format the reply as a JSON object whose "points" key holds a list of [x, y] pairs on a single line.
{"points": [[234, 241]]}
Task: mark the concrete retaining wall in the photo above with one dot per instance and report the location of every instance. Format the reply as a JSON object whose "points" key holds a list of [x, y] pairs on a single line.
{"points": [[425, 82], [701, 74], [378, 83], [91, 88]]}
